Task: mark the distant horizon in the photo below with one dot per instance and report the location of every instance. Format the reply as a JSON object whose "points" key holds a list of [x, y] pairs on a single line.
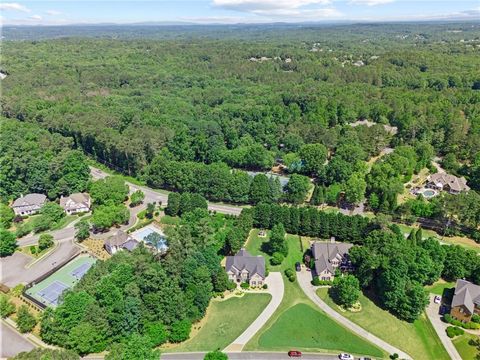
{"points": [[231, 12]]}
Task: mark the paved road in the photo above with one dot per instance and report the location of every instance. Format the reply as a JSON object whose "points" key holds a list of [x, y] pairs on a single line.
{"points": [[433, 314], [12, 342], [304, 277], [276, 289], [155, 196], [249, 356]]}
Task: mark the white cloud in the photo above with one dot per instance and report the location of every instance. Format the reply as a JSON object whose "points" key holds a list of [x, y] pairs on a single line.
{"points": [[370, 2], [14, 7], [283, 9], [53, 12], [35, 17]]}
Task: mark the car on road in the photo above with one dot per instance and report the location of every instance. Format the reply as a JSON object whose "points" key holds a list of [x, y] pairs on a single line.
{"points": [[437, 299], [295, 353], [345, 356], [298, 267]]}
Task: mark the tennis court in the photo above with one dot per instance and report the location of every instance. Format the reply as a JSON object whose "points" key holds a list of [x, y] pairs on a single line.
{"points": [[49, 290]]}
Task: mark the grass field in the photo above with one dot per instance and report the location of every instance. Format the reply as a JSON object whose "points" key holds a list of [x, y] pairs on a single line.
{"points": [[62, 275], [439, 287], [298, 315], [418, 339], [224, 322], [466, 351]]}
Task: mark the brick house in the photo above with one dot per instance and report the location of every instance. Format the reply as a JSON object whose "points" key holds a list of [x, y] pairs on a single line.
{"points": [[244, 267], [466, 301]]}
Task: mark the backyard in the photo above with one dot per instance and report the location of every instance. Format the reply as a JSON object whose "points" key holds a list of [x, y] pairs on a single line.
{"points": [[224, 322], [298, 315], [418, 339]]}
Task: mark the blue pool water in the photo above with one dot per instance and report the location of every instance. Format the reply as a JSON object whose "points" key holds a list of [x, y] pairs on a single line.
{"points": [[143, 233]]}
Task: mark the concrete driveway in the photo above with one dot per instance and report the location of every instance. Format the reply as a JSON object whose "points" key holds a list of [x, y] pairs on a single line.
{"points": [[433, 314], [249, 356], [304, 277], [276, 289]]}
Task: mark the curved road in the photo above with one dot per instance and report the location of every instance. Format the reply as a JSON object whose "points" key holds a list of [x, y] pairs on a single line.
{"points": [[304, 277]]}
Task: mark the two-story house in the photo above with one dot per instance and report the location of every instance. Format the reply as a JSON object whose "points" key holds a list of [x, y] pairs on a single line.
{"points": [[76, 203], [29, 204], [466, 301], [244, 267], [329, 256]]}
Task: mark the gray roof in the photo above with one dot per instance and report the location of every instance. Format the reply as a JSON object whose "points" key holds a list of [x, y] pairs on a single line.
{"points": [[30, 199], [244, 261], [76, 198], [324, 252], [118, 239], [455, 183], [467, 295]]}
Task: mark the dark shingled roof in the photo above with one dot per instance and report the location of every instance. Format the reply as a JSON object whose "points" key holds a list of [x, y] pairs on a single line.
{"points": [[466, 294], [324, 253], [244, 261]]}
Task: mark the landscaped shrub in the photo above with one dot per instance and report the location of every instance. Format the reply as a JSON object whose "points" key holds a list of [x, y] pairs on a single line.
{"points": [[33, 250], [469, 325], [245, 285], [6, 307], [317, 282], [476, 318], [453, 331], [265, 286], [290, 274], [276, 258]]}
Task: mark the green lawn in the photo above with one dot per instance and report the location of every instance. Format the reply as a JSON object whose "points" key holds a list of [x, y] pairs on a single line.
{"points": [[64, 222], [466, 351], [418, 339], [298, 323], [439, 287], [225, 321]]}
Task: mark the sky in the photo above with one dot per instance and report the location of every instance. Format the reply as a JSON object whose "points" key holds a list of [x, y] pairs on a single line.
{"points": [[232, 11]]}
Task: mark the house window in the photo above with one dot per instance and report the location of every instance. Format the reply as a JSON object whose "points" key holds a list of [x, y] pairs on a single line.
{"points": [[254, 283]]}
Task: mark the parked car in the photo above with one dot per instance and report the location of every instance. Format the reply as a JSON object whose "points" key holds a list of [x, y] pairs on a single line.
{"points": [[365, 358], [298, 267], [437, 299], [295, 353], [345, 356]]}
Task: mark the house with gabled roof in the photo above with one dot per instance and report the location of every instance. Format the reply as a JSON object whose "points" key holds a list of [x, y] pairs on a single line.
{"points": [[76, 203], [466, 300], [243, 267], [29, 204], [328, 257], [446, 182], [120, 241]]}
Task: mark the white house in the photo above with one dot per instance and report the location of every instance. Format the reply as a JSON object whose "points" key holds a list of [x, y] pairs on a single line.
{"points": [[29, 204], [76, 203]]}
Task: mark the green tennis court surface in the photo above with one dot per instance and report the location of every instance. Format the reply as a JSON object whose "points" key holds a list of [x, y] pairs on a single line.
{"points": [[50, 289]]}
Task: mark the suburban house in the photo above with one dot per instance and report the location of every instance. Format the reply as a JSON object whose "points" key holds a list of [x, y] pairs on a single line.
{"points": [[328, 256], [244, 267], [120, 241], [447, 182], [466, 300], [29, 204], [76, 203]]}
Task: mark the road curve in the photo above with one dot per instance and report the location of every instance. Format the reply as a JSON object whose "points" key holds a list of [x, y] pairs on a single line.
{"points": [[152, 195], [304, 277], [276, 289]]}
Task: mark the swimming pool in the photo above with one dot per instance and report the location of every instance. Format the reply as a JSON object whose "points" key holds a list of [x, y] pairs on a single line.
{"points": [[428, 193], [142, 233]]}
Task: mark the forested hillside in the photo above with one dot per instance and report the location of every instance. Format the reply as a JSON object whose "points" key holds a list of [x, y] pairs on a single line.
{"points": [[180, 107]]}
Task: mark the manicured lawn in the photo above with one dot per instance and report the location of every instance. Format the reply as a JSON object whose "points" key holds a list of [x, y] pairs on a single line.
{"points": [[418, 339], [439, 287], [298, 323], [304, 327], [224, 322], [466, 351], [64, 222]]}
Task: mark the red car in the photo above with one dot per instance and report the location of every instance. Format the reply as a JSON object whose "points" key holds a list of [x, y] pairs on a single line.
{"points": [[295, 353]]}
